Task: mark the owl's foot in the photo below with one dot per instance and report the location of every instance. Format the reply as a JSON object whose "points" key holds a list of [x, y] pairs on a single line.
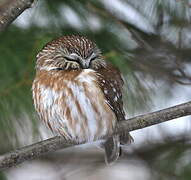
{"points": [[126, 138]]}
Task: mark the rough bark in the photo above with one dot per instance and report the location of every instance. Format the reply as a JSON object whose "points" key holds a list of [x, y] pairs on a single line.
{"points": [[10, 10]]}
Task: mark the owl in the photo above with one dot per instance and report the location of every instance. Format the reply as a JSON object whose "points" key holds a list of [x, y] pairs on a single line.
{"points": [[78, 93]]}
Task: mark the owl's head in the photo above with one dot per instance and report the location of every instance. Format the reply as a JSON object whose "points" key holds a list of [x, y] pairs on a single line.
{"points": [[70, 53]]}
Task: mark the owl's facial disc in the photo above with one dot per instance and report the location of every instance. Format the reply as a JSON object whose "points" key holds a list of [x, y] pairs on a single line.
{"points": [[70, 53], [72, 57], [83, 62]]}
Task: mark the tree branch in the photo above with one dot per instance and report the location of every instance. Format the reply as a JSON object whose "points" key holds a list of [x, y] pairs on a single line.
{"points": [[10, 10], [35, 150]]}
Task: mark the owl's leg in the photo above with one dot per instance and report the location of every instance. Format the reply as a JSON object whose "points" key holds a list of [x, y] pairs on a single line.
{"points": [[112, 149]]}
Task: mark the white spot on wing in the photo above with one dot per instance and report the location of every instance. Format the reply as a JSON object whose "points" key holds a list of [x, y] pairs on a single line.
{"points": [[114, 90]]}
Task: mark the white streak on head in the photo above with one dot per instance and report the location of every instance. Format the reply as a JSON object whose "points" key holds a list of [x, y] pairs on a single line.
{"points": [[48, 68], [48, 60]]}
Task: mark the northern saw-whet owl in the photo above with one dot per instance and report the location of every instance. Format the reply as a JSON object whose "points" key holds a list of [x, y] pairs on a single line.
{"points": [[78, 94]]}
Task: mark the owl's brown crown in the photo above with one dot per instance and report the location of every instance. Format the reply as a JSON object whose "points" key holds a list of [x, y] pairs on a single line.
{"points": [[79, 45], [69, 52]]}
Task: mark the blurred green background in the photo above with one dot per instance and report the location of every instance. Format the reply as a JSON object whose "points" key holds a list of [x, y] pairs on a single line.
{"points": [[149, 40]]}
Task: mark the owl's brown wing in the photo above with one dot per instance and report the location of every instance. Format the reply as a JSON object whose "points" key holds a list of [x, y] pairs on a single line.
{"points": [[111, 84]]}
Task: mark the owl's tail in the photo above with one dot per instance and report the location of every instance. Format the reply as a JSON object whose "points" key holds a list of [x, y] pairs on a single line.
{"points": [[112, 146], [112, 149]]}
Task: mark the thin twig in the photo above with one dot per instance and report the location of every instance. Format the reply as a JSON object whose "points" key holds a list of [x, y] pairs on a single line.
{"points": [[35, 150], [10, 10]]}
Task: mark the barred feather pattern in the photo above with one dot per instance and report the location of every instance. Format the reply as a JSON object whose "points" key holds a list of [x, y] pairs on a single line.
{"points": [[72, 104]]}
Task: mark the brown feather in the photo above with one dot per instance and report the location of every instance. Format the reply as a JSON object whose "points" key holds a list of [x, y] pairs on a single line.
{"points": [[77, 103], [111, 84]]}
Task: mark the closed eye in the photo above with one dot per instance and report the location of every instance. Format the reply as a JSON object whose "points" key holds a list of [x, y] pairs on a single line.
{"points": [[71, 59], [93, 58]]}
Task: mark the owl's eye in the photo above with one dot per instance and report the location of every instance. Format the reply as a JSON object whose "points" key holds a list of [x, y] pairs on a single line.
{"points": [[70, 58], [93, 58]]}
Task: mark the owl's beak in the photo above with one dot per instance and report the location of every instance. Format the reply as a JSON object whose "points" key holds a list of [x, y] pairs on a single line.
{"points": [[85, 63]]}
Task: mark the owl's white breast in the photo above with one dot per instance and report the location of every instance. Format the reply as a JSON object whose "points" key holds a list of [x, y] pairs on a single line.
{"points": [[78, 111]]}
